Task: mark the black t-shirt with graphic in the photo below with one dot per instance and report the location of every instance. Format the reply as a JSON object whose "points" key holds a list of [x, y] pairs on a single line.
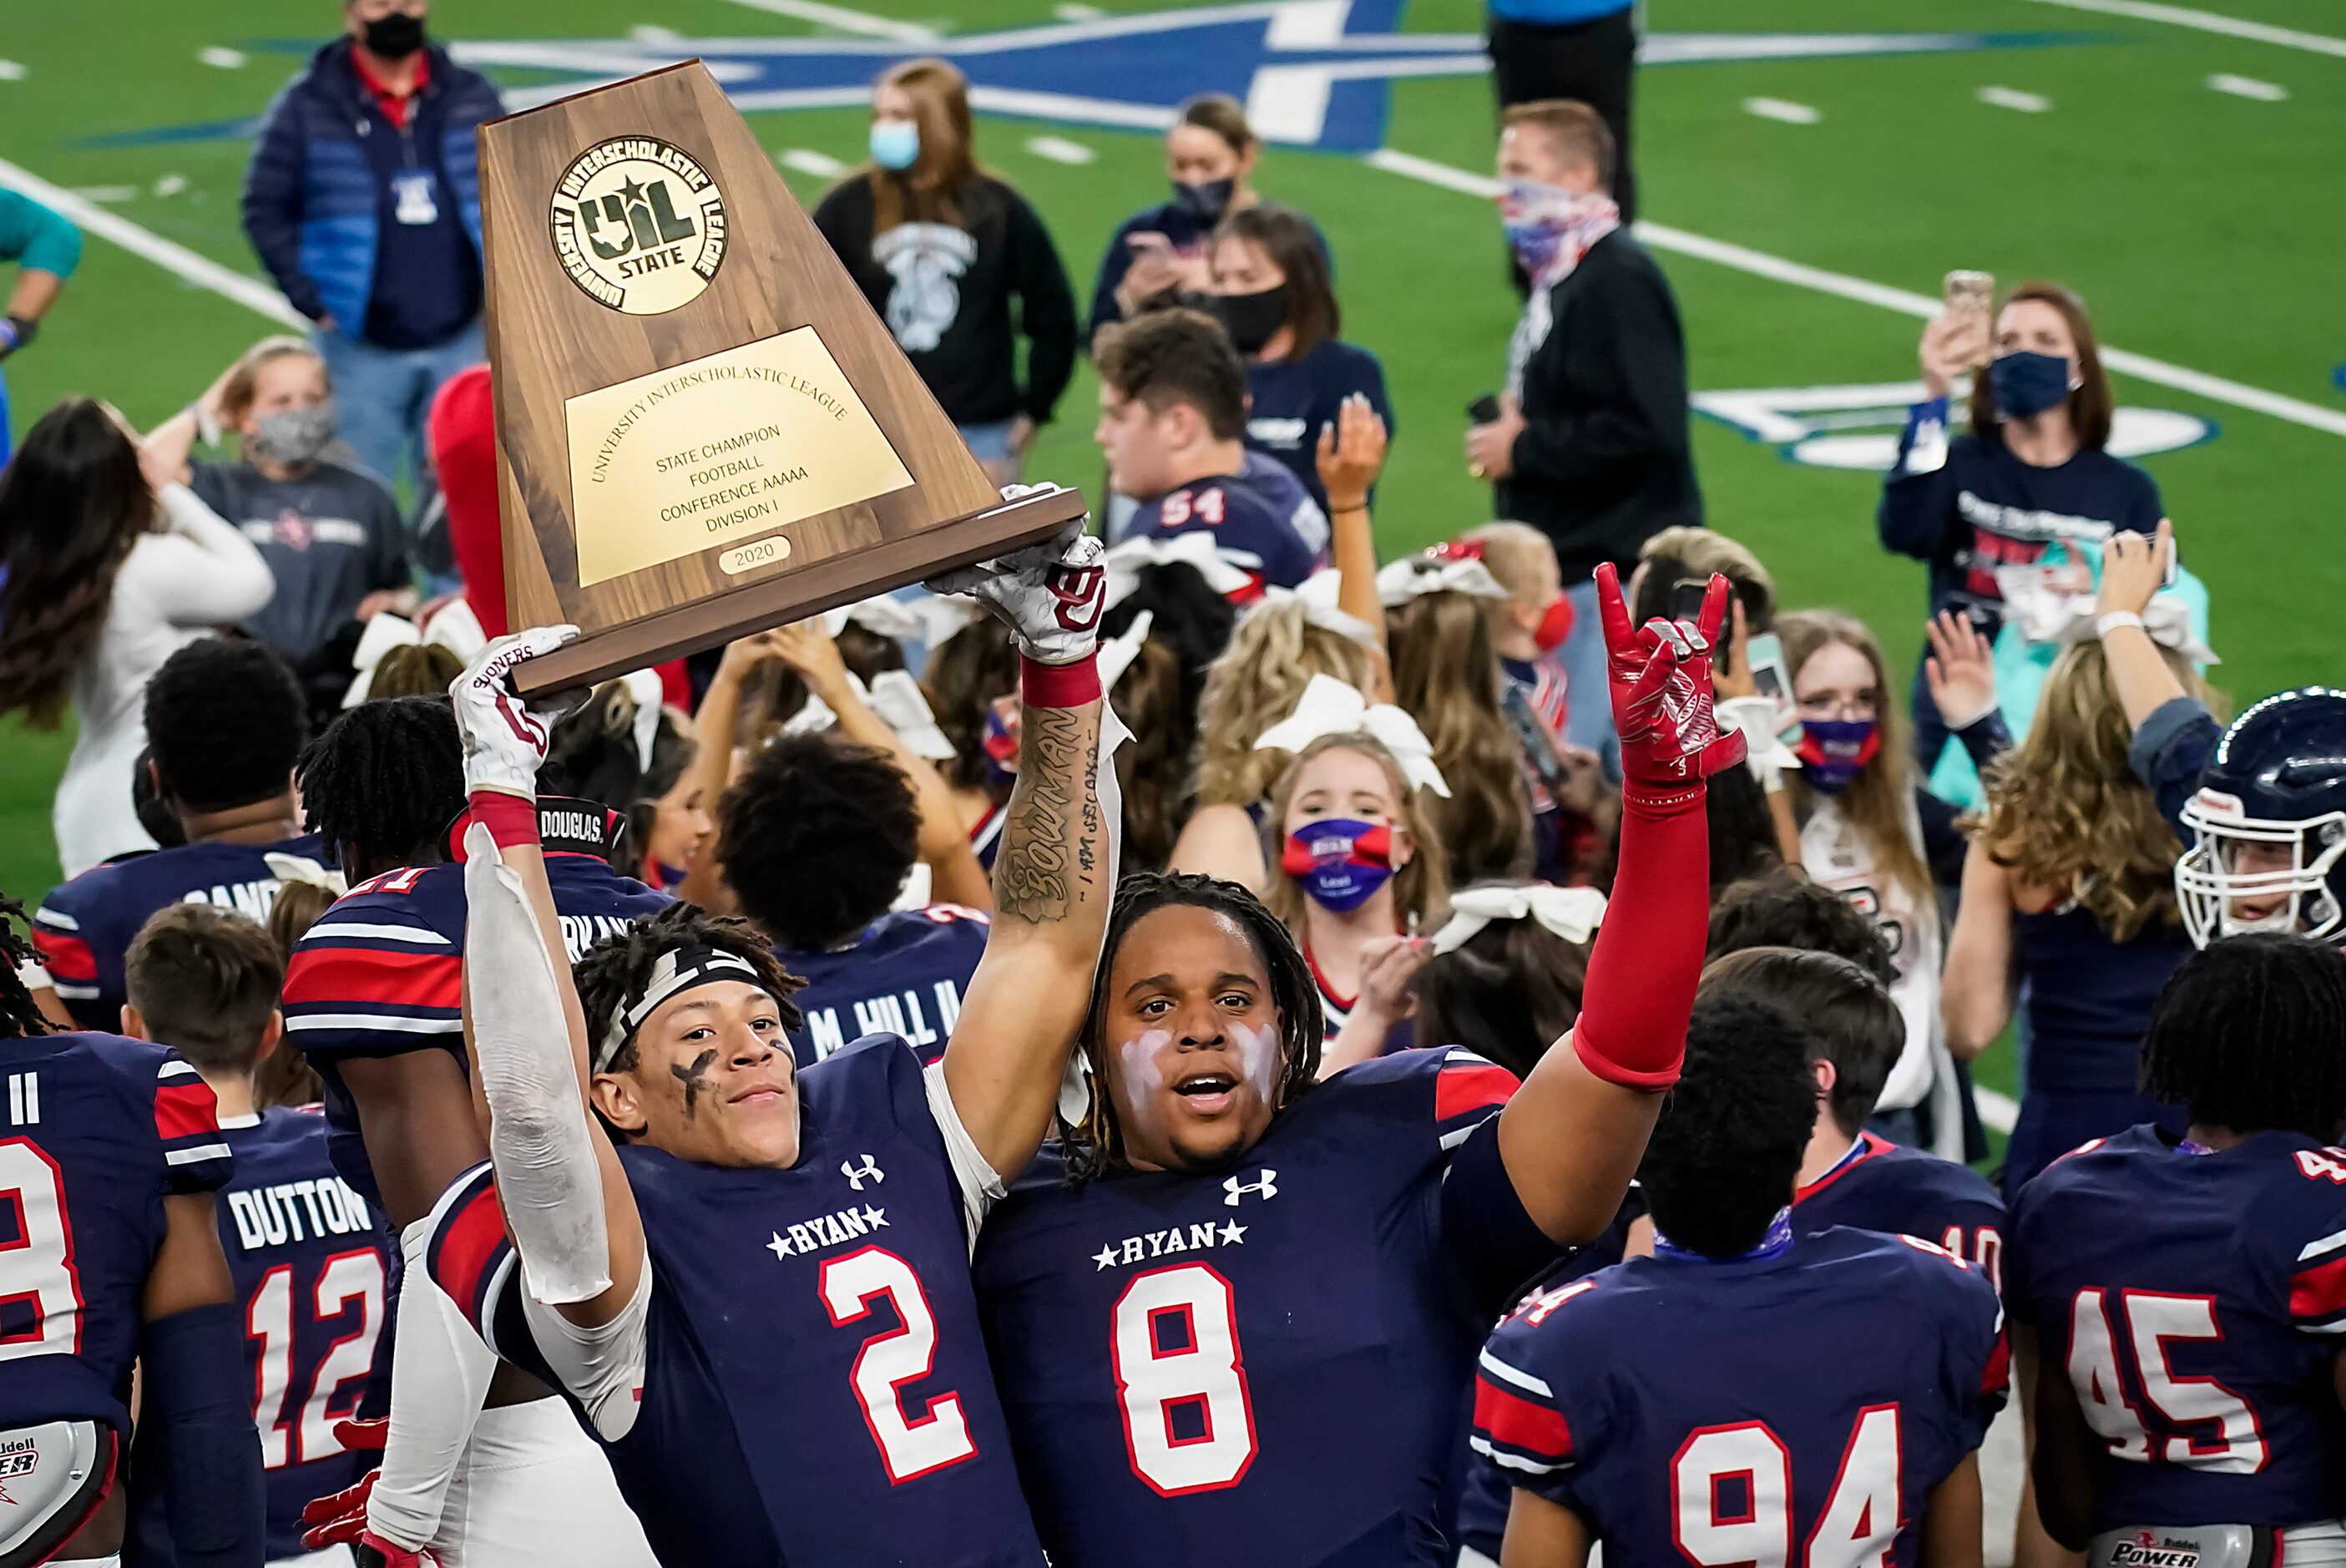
{"points": [[945, 292]]}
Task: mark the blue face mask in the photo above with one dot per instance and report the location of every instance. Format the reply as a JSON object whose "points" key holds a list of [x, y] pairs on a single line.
{"points": [[1834, 751], [1339, 862], [2025, 384], [895, 144]]}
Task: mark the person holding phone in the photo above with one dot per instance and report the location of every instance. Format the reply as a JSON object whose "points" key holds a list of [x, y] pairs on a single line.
{"points": [[1159, 255], [2032, 468]]}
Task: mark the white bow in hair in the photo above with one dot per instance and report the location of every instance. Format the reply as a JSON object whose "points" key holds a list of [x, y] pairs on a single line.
{"points": [[2047, 614], [897, 698], [288, 868], [1572, 913], [880, 616], [1318, 597], [1225, 571], [644, 685], [1414, 576], [453, 626], [1328, 706], [1116, 653]]}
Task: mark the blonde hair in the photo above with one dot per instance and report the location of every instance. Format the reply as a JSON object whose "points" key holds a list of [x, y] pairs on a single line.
{"points": [[1879, 800], [1421, 888], [2065, 812], [1446, 673], [1255, 682], [238, 391], [1511, 551]]}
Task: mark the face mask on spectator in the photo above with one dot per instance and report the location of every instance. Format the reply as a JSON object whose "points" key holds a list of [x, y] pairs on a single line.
{"points": [[1206, 201], [1339, 862], [293, 435], [396, 36], [895, 144], [1537, 217], [1252, 320], [1834, 751], [1555, 626], [2025, 384]]}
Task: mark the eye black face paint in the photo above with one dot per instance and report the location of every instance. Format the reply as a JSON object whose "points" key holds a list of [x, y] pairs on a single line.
{"points": [[690, 1077]]}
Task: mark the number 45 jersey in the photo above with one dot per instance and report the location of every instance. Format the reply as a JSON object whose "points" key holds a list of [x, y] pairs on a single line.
{"points": [[1797, 1404], [801, 1380], [2199, 1301]]}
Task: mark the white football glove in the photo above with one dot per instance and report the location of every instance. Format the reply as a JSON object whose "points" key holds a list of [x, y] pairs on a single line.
{"points": [[1051, 594], [506, 738]]}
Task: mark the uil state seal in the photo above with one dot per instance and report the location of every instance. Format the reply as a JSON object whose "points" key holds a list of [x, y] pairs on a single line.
{"points": [[638, 224]]}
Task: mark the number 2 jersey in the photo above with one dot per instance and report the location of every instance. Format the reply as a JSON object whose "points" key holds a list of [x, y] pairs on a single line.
{"points": [[1807, 1397], [802, 1378], [1267, 1363], [382, 971], [95, 1131], [2199, 1301]]}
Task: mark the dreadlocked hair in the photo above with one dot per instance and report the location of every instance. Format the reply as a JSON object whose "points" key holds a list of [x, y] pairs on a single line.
{"points": [[20, 1015], [385, 781], [2250, 1034], [620, 965], [1095, 1145]]}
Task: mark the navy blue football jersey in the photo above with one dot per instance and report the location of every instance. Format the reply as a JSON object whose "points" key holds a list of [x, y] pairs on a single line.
{"points": [[818, 1395], [905, 975], [311, 1263], [1262, 510], [985, 836], [1726, 1412], [2197, 1301], [382, 973], [1267, 1363], [1903, 1191], [82, 929], [95, 1131]]}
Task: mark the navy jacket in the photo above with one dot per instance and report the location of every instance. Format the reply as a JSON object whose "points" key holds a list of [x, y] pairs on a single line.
{"points": [[321, 178]]}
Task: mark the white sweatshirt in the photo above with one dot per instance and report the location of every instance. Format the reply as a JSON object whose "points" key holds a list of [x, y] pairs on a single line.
{"points": [[176, 584]]}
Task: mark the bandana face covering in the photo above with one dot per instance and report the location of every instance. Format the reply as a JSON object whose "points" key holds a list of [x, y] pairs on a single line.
{"points": [[1551, 227], [1834, 751], [1338, 862]]}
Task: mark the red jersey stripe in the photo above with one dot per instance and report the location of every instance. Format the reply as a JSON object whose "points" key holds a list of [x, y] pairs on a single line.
{"points": [[469, 1243], [1997, 1376], [185, 1108], [340, 974], [67, 958], [1470, 1086], [2320, 1291], [1507, 1417]]}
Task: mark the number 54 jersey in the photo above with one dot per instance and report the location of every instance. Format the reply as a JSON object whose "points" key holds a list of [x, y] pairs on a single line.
{"points": [[2198, 1300], [1797, 1404]]}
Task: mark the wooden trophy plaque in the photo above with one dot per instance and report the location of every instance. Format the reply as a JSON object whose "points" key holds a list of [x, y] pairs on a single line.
{"points": [[702, 429]]}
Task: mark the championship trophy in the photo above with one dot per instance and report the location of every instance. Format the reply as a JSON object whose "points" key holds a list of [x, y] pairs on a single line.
{"points": [[702, 430]]}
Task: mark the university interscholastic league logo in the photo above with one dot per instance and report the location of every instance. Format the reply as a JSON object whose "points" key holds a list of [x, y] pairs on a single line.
{"points": [[638, 224]]}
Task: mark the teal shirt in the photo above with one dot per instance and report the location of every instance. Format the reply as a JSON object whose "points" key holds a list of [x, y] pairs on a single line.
{"points": [[32, 236]]}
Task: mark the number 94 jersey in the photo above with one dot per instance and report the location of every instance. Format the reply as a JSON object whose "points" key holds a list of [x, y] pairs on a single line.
{"points": [[1796, 1406], [2197, 1301]]}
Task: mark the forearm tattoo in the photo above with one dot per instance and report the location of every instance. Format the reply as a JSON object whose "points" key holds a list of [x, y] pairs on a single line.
{"points": [[1050, 845]]}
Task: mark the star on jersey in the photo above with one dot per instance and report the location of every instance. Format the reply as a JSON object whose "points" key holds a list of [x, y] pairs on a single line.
{"points": [[1312, 73], [1159, 1243], [826, 1231]]}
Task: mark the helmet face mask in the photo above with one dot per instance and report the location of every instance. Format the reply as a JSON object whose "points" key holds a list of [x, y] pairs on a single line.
{"points": [[2298, 862]]}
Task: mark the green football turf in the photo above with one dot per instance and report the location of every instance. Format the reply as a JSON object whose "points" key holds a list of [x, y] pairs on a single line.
{"points": [[2203, 229]]}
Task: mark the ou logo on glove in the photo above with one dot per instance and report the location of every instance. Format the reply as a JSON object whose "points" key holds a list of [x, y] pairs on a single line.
{"points": [[1081, 595]]}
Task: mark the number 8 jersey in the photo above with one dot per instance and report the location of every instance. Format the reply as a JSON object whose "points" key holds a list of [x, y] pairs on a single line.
{"points": [[2199, 1301], [802, 1378]]}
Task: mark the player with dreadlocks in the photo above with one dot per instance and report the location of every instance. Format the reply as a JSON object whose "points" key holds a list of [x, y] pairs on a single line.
{"points": [[1239, 1322], [819, 1394], [110, 1151], [2188, 1293], [371, 998]]}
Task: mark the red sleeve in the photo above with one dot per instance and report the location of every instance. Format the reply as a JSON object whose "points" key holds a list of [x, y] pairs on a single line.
{"points": [[1642, 972], [196, 1157]]}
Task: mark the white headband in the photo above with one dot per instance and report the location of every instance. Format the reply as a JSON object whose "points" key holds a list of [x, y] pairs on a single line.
{"points": [[2046, 614], [1572, 913], [897, 698], [1328, 706], [452, 627], [1225, 571], [302, 869], [678, 969], [1414, 576], [1318, 597]]}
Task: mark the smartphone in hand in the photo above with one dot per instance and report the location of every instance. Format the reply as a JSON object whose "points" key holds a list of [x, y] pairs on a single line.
{"points": [[1772, 680], [1483, 410]]}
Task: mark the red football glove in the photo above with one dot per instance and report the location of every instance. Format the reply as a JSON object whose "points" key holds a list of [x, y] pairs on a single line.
{"points": [[1660, 679], [341, 1518]]}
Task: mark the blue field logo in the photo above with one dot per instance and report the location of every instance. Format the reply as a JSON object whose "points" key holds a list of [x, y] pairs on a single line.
{"points": [[1312, 73]]}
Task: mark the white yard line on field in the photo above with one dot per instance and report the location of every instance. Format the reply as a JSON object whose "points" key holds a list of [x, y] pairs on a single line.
{"points": [[2210, 22], [1783, 109], [845, 20], [1742, 259], [2248, 88]]}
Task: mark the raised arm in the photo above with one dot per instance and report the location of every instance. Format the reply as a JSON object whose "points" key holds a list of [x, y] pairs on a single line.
{"points": [[1055, 875], [1571, 1135], [1351, 453], [565, 1198], [163, 451]]}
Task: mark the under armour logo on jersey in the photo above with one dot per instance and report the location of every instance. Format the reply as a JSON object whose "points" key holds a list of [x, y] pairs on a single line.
{"points": [[856, 1174], [1267, 1185]]}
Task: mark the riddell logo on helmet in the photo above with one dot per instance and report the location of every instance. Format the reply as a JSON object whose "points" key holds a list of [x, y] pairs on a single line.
{"points": [[2217, 803], [2146, 1550]]}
